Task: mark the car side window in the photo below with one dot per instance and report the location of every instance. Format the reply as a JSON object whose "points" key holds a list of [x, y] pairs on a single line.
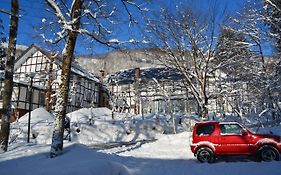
{"points": [[231, 129], [205, 129]]}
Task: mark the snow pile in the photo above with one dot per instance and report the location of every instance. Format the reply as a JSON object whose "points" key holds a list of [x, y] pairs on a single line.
{"points": [[83, 115], [41, 127], [39, 115], [77, 159], [97, 126]]}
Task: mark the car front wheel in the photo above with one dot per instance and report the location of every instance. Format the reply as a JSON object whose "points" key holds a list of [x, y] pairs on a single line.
{"points": [[205, 155], [268, 153]]}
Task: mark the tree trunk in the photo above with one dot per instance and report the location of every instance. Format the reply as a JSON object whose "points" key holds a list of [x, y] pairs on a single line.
{"points": [[204, 102], [49, 93], [204, 109], [62, 98], [8, 81]]}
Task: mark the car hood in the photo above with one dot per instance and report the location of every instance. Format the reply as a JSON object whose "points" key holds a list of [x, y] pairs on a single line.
{"points": [[272, 136]]}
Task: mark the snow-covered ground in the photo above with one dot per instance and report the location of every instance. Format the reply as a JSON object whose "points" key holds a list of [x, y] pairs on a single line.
{"points": [[165, 154]]}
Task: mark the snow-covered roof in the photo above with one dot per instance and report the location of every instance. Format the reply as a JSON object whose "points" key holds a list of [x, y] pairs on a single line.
{"points": [[147, 74], [75, 68]]}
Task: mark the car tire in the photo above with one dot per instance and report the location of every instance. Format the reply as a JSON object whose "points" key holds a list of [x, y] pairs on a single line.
{"points": [[268, 153], [205, 155]]}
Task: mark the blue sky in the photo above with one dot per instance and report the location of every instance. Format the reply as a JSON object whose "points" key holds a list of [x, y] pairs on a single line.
{"points": [[32, 12]]}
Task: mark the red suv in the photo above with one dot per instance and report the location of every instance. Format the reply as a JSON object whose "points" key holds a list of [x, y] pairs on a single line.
{"points": [[211, 139]]}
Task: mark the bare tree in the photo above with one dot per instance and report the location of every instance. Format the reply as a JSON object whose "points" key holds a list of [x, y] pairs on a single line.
{"points": [[233, 48], [8, 80], [252, 80], [188, 40], [272, 17], [250, 24], [93, 19], [67, 56]]}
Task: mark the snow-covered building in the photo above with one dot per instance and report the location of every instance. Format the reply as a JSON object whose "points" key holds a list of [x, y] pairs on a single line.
{"points": [[160, 90], [144, 90], [39, 71]]}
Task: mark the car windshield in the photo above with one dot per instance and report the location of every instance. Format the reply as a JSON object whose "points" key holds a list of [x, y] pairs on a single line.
{"points": [[253, 130]]}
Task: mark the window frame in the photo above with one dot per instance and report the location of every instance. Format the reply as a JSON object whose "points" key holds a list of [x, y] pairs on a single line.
{"points": [[200, 127], [229, 133]]}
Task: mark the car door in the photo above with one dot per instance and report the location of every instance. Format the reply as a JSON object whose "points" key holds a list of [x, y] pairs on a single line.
{"points": [[232, 141]]}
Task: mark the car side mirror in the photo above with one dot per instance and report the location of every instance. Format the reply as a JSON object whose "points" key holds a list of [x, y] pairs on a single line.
{"points": [[244, 132]]}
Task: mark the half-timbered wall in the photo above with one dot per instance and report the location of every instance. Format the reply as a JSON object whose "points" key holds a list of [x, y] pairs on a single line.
{"points": [[157, 98], [39, 64], [84, 91], [21, 97]]}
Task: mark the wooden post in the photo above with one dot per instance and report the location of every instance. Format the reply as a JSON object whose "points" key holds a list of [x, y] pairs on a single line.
{"points": [[137, 90], [30, 106]]}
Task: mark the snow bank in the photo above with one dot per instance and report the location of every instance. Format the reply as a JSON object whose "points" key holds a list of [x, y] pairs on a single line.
{"points": [[83, 115], [89, 126], [103, 129], [41, 127], [39, 115], [77, 159]]}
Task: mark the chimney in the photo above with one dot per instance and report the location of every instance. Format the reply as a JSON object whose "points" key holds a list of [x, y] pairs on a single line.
{"points": [[101, 76], [101, 102]]}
